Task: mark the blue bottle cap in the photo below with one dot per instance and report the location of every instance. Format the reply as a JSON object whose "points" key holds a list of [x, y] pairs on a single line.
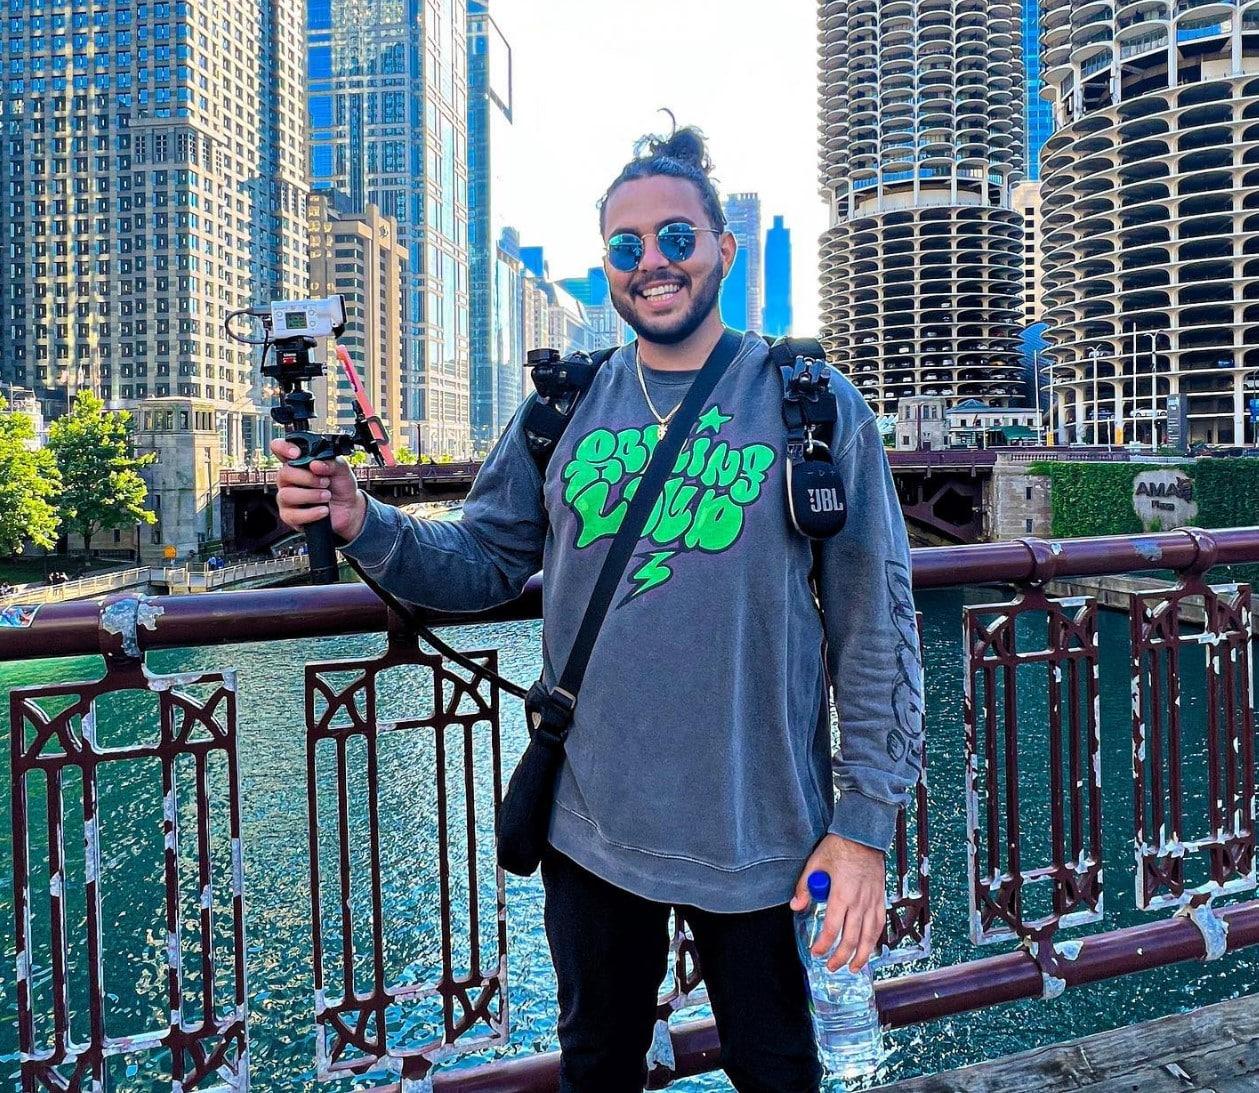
{"points": [[819, 885]]}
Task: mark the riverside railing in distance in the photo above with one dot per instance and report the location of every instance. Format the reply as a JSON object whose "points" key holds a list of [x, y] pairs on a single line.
{"points": [[1184, 861]]}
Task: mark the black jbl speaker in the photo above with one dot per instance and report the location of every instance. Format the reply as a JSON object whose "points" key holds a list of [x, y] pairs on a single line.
{"points": [[815, 497]]}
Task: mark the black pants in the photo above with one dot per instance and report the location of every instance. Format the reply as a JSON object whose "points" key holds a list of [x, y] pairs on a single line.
{"points": [[610, 949]]}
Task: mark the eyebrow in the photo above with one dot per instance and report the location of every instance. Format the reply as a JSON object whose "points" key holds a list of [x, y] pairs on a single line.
{"points": [[659, 224]]}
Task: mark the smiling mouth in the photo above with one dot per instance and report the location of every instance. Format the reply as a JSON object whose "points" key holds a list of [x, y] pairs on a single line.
{"points": [[661, 292]]}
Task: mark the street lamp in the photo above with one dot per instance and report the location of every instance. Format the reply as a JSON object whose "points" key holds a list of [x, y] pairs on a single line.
{"points": [[1153, 335], [1040, 418], [1095, 353]]}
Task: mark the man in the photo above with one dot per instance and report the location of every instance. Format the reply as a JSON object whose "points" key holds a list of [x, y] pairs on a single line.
{"points": [[698, 767]]}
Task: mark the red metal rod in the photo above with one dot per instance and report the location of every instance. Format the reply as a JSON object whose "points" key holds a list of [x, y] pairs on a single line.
{"points": [[272, 614], [911, 999], [220, 618]]}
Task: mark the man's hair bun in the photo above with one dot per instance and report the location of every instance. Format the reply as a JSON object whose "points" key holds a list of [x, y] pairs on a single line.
{"points": [[682, 154], [684, 145]]}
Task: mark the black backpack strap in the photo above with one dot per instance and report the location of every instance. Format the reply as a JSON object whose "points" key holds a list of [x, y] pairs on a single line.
{"points": [[809, 409], [560, 383], [816, 503]]}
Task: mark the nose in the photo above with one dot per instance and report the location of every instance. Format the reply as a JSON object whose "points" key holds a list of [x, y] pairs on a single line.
{"points": [[652, 258]]}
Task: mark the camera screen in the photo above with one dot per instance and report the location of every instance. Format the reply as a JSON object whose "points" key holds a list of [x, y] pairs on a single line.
{"points": [[295, 320]]}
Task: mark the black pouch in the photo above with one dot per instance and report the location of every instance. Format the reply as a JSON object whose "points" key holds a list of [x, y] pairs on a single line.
{"points": [[524, 818]]}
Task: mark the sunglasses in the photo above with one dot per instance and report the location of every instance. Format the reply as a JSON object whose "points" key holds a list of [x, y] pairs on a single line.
{"points": [[675, 241]]}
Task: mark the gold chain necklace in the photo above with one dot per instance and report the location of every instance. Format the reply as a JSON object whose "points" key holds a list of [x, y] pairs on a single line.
{"points": [[662, 423]]}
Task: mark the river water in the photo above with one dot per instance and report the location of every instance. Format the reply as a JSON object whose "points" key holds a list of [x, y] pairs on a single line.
{"points": [[277, 869]]}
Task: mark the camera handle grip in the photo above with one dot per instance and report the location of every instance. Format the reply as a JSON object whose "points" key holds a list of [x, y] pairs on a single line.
{"points": [[319, 546], [322, 554]]}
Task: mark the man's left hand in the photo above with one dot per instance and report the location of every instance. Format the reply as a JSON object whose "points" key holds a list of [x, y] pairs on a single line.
{"points": [[856, 910]]}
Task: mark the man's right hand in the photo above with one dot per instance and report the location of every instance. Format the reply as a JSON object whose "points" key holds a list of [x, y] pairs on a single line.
{"points": [[324, 488]]}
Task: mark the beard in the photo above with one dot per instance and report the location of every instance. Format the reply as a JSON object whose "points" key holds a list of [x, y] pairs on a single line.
{"points": [[674, 328]]}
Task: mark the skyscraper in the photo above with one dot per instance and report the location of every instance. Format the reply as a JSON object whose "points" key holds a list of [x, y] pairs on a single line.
{"points": [[507, 328], [1038, 114], [360, 256], [741, 290], [1151, 235], [777, 319], [494, 396], [388, 85], [154, 179], [607, 327], [921, 133]]}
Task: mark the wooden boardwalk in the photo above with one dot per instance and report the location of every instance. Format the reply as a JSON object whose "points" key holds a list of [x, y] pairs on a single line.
{"points": [[1214, 1049]]}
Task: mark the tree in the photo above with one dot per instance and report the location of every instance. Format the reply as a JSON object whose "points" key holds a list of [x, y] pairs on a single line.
{"points": [[29, 483], [101, 485]]}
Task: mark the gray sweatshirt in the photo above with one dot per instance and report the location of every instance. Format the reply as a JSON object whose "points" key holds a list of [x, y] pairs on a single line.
{"points": [[699, 767]]}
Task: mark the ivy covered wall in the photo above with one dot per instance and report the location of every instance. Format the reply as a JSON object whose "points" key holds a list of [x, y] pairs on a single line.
{"points": [[1096, 498]]}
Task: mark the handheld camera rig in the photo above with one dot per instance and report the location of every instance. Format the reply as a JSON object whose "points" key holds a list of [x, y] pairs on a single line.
{"points": [[291, 329]]}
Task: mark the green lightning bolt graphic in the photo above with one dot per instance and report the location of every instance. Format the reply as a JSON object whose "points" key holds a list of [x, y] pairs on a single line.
{"points": [[651, 574]]}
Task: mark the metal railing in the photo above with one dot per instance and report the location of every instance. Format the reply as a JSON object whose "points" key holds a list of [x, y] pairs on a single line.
{"points": [[182, 580], [1184, 859], [81, 588], [436, 472]]}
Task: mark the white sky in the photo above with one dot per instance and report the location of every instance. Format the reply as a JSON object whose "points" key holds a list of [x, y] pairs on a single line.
{"points": [[588, 78]]}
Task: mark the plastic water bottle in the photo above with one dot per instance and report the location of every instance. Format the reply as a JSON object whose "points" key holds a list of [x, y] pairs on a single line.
{"points": [[845, 1019]]}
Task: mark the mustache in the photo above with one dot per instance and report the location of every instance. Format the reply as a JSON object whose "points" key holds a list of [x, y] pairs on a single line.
{"points": [[643, 286]]}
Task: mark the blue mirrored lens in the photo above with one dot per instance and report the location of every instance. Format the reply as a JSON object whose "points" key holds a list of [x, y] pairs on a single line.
{"points": [[676, 241], [625, 252]]}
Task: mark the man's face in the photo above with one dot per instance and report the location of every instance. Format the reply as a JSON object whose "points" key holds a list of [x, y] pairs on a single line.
{"points": [[643, 206]]}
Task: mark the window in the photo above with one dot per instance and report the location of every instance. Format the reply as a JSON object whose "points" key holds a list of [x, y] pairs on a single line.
{"points": [[319, 62], [320, 111]]}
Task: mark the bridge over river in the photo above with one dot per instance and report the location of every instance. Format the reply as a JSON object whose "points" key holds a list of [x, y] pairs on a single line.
{"points": [[252, 840], [946, 495]]}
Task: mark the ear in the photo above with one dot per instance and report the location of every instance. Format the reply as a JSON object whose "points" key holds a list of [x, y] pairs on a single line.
{"points": [[729, 247]]}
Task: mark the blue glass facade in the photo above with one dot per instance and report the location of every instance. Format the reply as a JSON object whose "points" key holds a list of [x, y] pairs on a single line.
{"points": [[777, 317], [1038, 118], [388, 110], [734, 293], [495, 375]]}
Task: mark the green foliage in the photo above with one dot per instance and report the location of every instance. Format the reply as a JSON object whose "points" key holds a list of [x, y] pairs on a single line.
{"points": [[29, 484], [357, 458], [1227, 492], [1091, 498], [101, 485], [1096, 498], [405, 456]]}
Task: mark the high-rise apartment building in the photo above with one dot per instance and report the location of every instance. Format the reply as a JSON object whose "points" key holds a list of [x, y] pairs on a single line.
{"points": [[152, 179], [741, 290], [1027, 204], [388, 86], [1150, 198], [1038, 115], [777, 315], [360, 256], [495, 382], [921, 136]]}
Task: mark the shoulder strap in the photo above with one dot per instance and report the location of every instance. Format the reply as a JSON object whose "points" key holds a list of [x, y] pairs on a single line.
{"points": [[560, 383], [809, 410], [663, 457]]}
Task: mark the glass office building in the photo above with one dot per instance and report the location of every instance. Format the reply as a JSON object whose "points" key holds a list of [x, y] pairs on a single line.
{"points": [[388, 86]]}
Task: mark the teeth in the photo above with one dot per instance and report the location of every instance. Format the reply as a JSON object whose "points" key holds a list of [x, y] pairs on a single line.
{"points": [[660, 290]]}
